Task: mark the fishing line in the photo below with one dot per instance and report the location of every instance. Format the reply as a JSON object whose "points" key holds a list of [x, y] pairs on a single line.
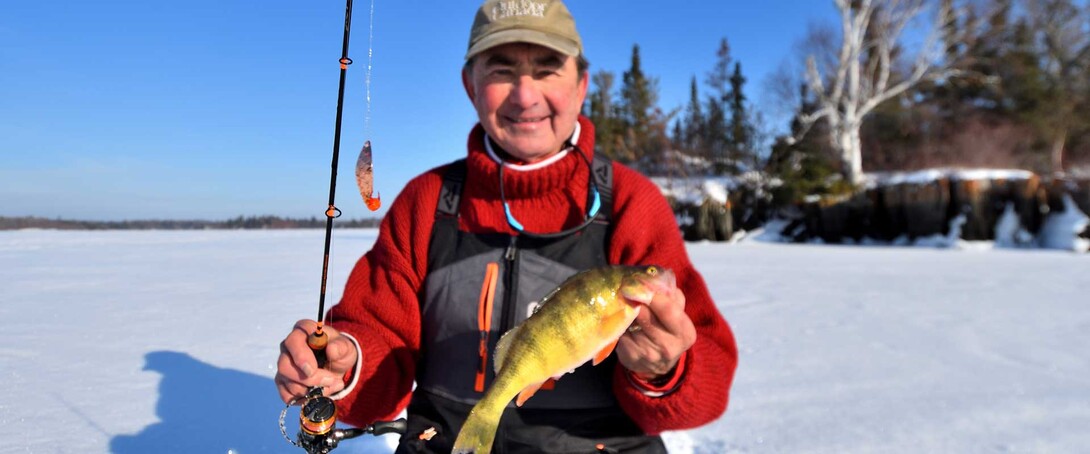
{"points": [[370, 61], [367, 84], [366, 119], [332, 211], [318, 414]]}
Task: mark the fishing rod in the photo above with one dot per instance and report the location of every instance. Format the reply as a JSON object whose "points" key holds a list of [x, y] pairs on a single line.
{"points": [[318, 433]]}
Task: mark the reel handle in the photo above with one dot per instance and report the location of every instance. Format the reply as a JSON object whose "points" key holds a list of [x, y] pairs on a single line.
{"points": [[387, 427]]}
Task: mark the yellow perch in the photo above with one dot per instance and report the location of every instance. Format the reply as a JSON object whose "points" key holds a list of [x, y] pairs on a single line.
{"points": [[579, 321]]}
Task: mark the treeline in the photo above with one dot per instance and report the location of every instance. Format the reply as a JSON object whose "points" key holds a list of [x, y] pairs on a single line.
{"points": [[1004, 84], [241, 222], [1017, 94], [714, 134], [1008, 89]]}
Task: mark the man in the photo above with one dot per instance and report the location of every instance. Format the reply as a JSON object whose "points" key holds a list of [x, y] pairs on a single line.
{"points": [[525, 202]]}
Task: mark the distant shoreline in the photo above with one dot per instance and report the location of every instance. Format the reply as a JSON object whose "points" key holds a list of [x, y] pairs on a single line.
{"points": [[241, 222]]}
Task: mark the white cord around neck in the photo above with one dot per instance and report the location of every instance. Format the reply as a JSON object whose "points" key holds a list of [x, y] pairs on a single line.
{"points": [[534, 166]]}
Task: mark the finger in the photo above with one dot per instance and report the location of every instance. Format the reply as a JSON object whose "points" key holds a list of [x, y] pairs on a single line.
{"points": [[647, 330], [342, 355], [651, 359], [627, 351], [669, 300], [643, 317], [669, 312], [674, 320], [292, 374], [286, 367], [329, 381], [636, 363], [638, 351], [679, 296], [288, 389], [646, 333], [656, 350], [677, 324], [295, 345], [656, 346]]}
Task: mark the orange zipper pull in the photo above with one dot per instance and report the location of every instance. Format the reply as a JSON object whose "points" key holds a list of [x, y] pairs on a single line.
{"points": [[484, 320]]}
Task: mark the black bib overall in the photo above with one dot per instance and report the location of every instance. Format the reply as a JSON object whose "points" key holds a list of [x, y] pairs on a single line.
{"points": [[580, 414]]}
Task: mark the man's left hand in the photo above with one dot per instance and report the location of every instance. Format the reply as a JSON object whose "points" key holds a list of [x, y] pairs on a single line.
{"points": [[656, 339]]}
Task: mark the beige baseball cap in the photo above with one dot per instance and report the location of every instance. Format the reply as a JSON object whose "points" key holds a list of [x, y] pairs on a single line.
{"points": [[543, 22]]}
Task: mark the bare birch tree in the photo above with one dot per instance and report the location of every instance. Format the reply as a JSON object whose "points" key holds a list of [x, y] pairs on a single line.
{"points": [[864, 73]]}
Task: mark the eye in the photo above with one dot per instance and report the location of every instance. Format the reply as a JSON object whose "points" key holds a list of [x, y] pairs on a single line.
{"points": [[651, 270]]}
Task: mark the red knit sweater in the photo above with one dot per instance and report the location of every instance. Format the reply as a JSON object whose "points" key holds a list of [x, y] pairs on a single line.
{"points": [[380, 305]]}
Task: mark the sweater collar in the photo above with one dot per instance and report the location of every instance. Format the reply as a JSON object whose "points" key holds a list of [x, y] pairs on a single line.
{"points": [[560, 171], [568, 146]]}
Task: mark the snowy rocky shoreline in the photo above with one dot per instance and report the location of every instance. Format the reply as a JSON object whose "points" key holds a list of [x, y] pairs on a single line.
{"points": [[940, 207]]}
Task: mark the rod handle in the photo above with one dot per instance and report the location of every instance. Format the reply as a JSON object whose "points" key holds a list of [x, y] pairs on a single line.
{"points": [[317, 342]]}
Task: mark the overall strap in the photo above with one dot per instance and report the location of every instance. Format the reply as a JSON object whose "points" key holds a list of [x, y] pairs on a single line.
{"points": [[444, 231], [450, 196], [602, 172]]}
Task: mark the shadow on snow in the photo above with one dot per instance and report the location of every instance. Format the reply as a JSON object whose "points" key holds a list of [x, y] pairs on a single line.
{"points": [[204, 408]]}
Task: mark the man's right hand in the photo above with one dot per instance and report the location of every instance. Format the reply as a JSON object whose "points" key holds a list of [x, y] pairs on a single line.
{"points": [[297, 369]]}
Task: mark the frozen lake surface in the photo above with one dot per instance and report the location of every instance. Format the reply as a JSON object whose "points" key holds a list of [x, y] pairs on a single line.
{"points": [[166, 342]]}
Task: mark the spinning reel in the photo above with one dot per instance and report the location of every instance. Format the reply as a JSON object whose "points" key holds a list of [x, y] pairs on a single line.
{"points": [[318, 432]]}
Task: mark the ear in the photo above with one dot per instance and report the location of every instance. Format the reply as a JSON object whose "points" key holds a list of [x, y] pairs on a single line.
{"points": [[584, 83], [467, 83]]}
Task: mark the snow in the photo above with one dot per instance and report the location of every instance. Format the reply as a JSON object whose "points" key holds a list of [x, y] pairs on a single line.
{"points": [[1061, 230], [166, 342], [693, 191], [1009, 231], [930, 175]]}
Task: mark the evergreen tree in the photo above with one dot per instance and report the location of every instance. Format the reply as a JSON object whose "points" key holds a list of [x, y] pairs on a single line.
{"points": [[694, 120], [719, 77], [644, 125], [716, 138], [693, 130], [805, 167], [1022, 81], [1061, 28], [986, 60], [604, 113], [678, 136], [742, 131]]}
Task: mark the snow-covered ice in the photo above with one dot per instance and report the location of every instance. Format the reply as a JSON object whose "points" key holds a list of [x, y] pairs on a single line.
{"points": [[166, 342]]}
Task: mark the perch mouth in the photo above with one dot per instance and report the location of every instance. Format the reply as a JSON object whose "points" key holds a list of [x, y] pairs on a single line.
{"points": [[639, 289]]}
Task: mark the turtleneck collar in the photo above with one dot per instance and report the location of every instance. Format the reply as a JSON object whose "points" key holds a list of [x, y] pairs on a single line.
{"points": [[561, 172], [568, 146]]}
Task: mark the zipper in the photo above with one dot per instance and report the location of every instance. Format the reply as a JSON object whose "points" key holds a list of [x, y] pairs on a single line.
{"points": [[484, 320], [510, 297], [510, 285]]}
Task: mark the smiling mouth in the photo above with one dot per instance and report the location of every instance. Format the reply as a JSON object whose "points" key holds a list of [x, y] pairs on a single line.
{"points": [[526, 120]]}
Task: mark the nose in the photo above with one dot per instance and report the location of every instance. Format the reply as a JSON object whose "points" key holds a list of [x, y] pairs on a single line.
{"points": [[525, 93]]}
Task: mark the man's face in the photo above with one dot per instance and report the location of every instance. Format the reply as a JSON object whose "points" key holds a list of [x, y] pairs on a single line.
{"points": [[527, 97]]}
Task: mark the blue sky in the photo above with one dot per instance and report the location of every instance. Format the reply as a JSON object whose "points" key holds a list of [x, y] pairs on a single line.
{"points": [[211, 109]]}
